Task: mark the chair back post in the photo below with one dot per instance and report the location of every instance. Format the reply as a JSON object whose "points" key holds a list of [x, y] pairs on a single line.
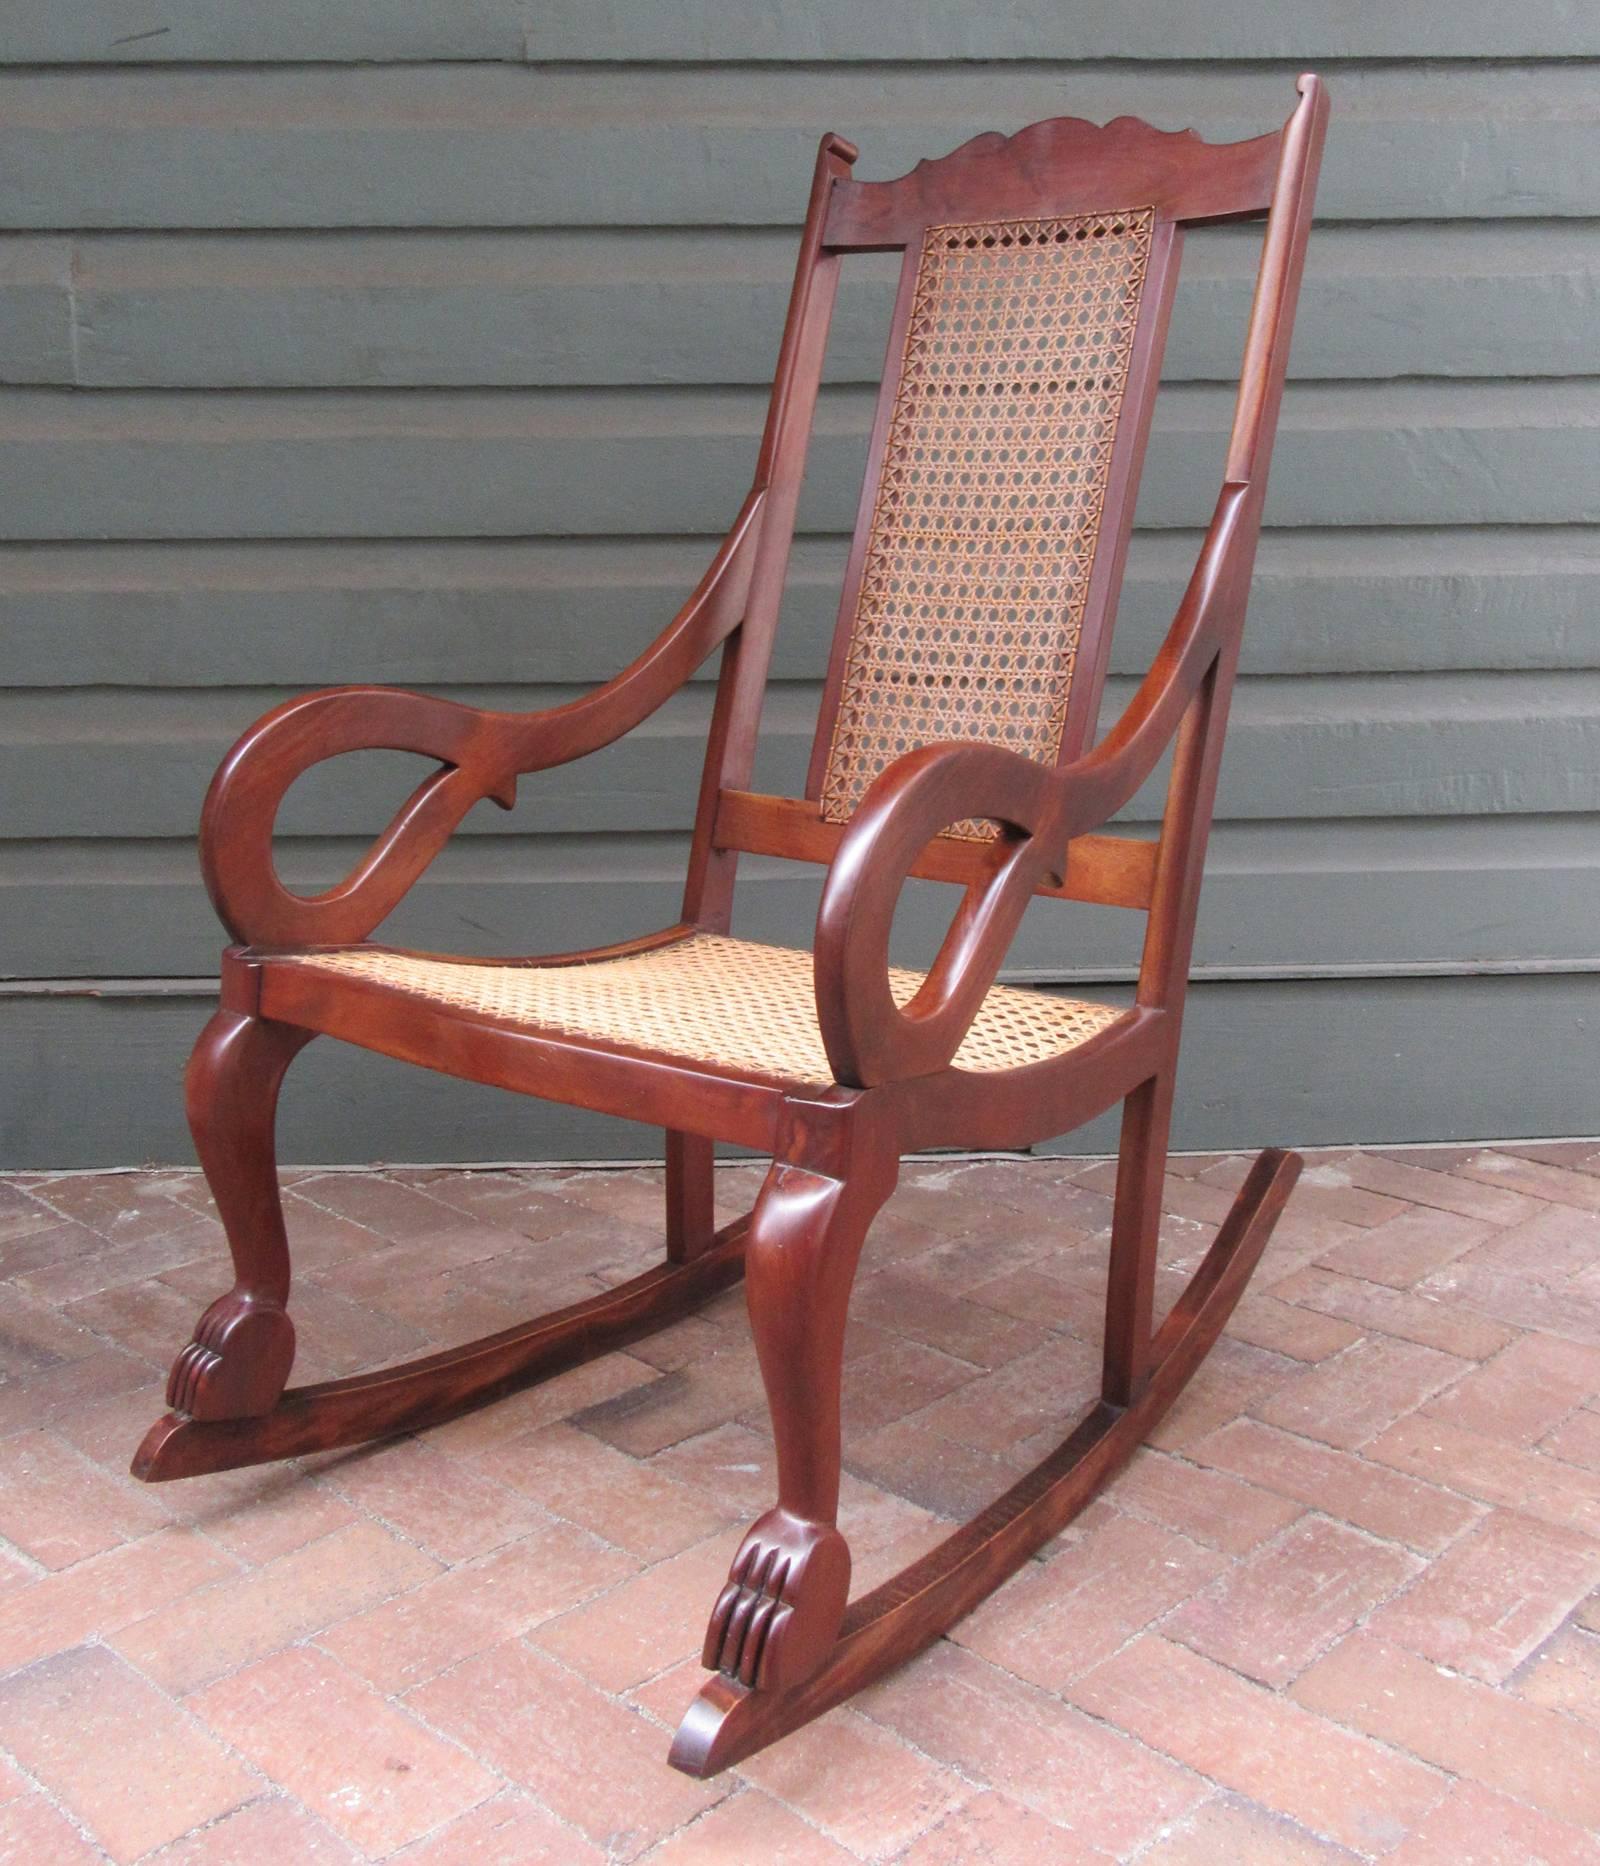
{"points": [[780, 469], [1191, 788]]}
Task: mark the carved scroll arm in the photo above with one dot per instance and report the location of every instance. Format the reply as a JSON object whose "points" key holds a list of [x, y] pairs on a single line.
{"points": [[870, 1039], [481, 755]]}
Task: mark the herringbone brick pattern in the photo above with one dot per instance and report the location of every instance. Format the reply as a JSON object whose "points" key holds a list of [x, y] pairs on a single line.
{"points": [[1347, 1607]]}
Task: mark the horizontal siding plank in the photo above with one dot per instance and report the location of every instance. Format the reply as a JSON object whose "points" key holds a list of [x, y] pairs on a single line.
{"points": [[93, 32], [1435, 1059], [243, 31], [478, 612], [438, 463], [1034, 29], [489, 145], [1315, 747], [1374, 893], [564, 309]]}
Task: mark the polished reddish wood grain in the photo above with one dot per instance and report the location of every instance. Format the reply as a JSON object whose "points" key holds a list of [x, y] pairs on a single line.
{"points": [[783, 1639]]}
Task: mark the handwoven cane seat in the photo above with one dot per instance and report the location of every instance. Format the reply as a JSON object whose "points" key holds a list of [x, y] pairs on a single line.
{"points": [[709, 999]]}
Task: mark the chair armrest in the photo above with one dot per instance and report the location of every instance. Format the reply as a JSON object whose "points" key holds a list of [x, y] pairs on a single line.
{"points": [[481, 755], [870, 1039]]}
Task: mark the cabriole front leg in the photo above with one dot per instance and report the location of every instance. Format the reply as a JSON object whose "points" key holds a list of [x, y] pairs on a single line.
{"points": [[238, 1362], [778, 1617]]}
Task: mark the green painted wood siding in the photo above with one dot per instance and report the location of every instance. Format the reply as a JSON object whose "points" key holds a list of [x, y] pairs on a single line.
{"points": [[428, 345]]}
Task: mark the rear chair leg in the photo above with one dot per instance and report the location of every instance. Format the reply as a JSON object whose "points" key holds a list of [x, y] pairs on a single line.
{"points": [[243, 1346], [1135, 1232], [778, 1617], [691, 1225]]}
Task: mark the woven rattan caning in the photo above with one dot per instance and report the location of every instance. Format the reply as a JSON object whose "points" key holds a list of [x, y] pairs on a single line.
{"points": [[988, 505], [715, 1000]]}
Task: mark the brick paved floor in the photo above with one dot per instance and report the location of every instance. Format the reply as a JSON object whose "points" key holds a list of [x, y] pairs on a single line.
{"points": [[1344, 1608]]}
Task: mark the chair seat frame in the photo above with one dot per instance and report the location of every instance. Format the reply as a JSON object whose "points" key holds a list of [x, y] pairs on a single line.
{"points": [[784, 1640]]}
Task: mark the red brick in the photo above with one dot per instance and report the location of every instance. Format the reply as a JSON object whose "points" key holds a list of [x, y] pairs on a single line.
{"points": [[422, 1632], [545, 1404], [387, 1275], [1379, 1500], [394, 1211], [604, 1491], [643, 1625], [1570, 1308], [34, 1336], [858, 1783], [1488, 1601], [994, 1828], [1524, 1392], [106, 1592], [441, 1502], [1247, 1738], [30, 1245], [1272, 1613], [277, 1829], [150, 1318], [32, 1831], [1107, 1790], [1423, 1185], [1230, 1380], [1327, 1190], [1219, 1511], [938, 1473], [1558, 1242], [1576, 1441], [1410, 1314], [746, 1828], [260, 1513], [679, 1404], [533, 1203], [1231, 1832], [1473, 1826], [1486, 1468], [119, 1206], [511, 1830], [1469, 1728], [594, 1764], [1536, 1179], [736, 1470], [368, 1769], [216, 1630], [1403, 1250], [1055, 1620], [1582, 1155], [1565, 1676], [118, 1755], [1349, 1400], [50, 1397], [919, 1304], [903, 1377], [1045, 1389], [58, 1508], [190, 1241], [1268, 1321]]}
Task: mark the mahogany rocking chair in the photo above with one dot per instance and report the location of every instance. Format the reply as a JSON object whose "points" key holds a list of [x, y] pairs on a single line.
{"points": [[953, 743]]}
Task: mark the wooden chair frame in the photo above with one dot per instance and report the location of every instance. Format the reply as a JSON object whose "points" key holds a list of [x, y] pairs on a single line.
{"points": [[784, 1641]]}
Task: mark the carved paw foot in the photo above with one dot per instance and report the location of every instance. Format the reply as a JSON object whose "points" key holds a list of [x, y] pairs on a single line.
{"points": [[238, 1362], [778, 1617]]}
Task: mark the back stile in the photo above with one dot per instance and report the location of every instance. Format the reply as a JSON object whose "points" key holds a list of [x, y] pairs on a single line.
{"points": [[1192, 787], [780, 468]]}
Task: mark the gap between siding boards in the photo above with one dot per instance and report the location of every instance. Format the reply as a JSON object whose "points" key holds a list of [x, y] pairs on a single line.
{"points": [[1098, 975]]}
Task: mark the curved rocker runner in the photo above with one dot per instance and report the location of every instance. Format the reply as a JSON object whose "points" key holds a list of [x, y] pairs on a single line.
{"points": [[956, 741]]}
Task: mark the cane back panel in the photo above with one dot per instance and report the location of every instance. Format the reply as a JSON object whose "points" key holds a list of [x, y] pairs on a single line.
{"points": [[987, 512]]}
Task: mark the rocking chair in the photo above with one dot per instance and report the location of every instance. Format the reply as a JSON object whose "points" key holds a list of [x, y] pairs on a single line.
{"points": [[953, 744]]}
